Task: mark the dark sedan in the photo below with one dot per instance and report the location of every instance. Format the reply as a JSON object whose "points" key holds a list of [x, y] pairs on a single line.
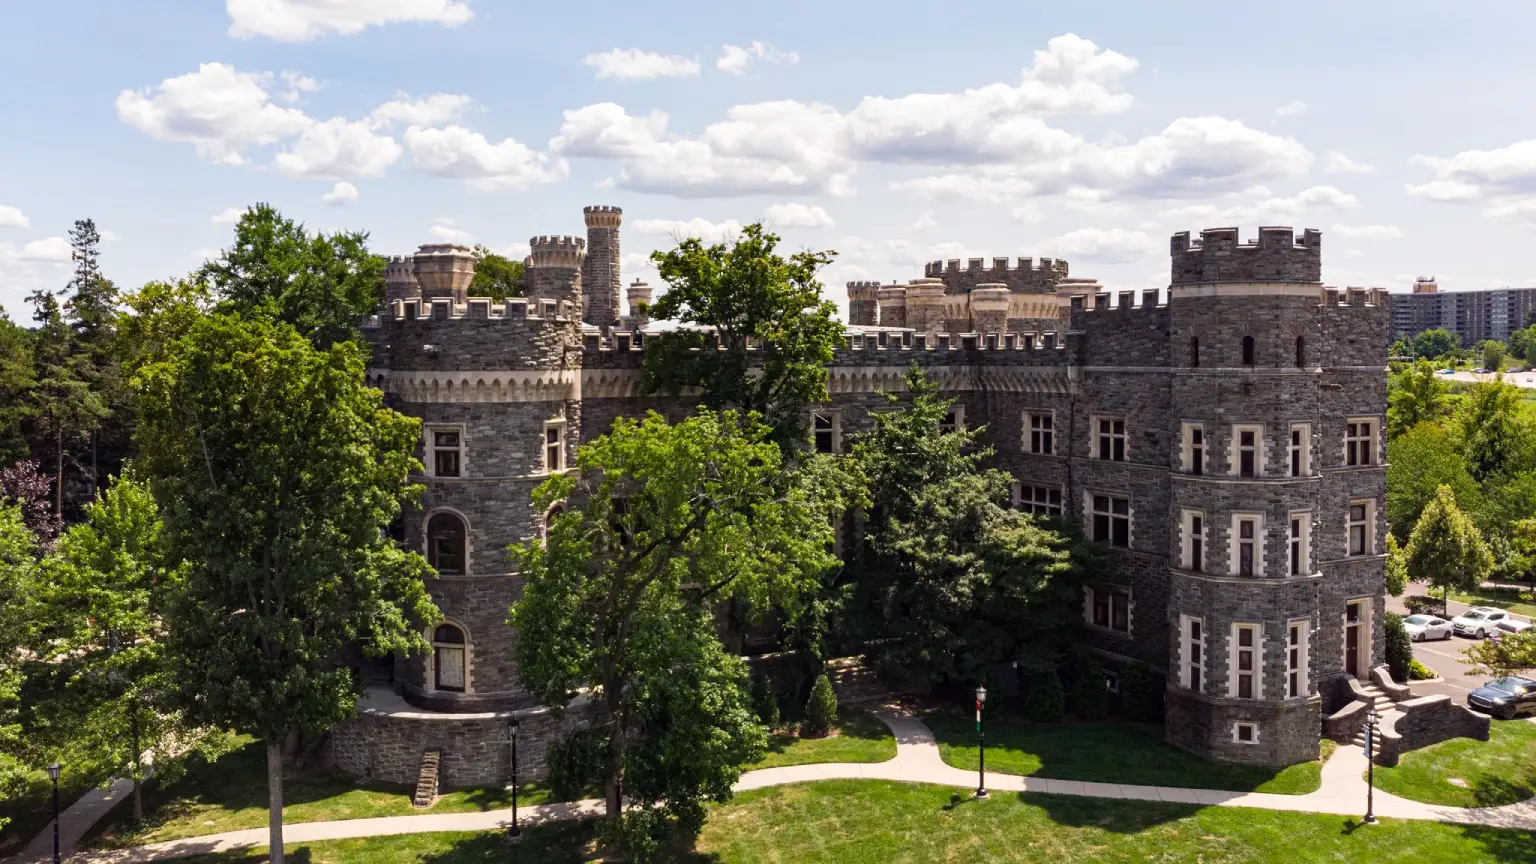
{"points": [[1504, 698]]}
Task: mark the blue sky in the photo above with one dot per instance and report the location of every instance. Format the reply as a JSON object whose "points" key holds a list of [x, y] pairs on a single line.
{"points": [[889, 131]]}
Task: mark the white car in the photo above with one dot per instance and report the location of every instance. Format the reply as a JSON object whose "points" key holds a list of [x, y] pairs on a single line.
{"points": [[1422, 628], [1478, 621], [1511, 626]]}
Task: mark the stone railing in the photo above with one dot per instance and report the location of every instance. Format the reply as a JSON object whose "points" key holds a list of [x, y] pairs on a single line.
{"points": [[1381, 676], [1424, 721], [1342, 724]]}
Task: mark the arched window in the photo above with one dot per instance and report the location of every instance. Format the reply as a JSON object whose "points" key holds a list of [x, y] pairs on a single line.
{"points": [[448, 658], [1194, 352], [1301, 352], [446, 544], [1247, 350]]}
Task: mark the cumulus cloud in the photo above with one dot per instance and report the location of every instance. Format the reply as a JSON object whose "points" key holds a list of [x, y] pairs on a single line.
{"points": [[11, 217], [1290, 109], [633, 64], [228, 217], [1368, 232], [217, 109], [736, 60], [797, 216], [338, 149], [926, 221], [1264, 207], [342, 194], [298, 84], [458, 153], [110, 236], [1504, 179], [433, 110], [1111, 246], [448, 231], [676, 229], [49, 250], [303, 20], [1338, 163]]}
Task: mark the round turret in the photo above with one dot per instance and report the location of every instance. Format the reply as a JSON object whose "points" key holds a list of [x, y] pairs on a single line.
{"points": [[445, 270]]}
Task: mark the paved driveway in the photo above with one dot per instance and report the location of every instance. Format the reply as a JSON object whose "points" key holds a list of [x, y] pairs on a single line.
{"points": [[1443, 657]]}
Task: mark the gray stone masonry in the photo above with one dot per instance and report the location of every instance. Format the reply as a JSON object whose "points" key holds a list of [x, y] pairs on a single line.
{"points": [[1425, 721], [600, 277]]}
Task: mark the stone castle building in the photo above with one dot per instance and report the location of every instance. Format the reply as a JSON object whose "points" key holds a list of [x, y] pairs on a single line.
{"points": [[1223, 438]]}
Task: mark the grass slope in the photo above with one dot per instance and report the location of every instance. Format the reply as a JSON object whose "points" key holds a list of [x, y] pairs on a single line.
{"points": [[857, 737], [1499, 771]]}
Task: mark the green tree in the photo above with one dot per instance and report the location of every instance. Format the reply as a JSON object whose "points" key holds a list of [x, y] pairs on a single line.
{"points": [[66, 404], [765, 701], [496, 277], [1432, 344], [323, 285], [1396, 567], [1398, 348], [1519, 343], [1090, 694], [747, 296], [1416, 396], [1493, 354], [618, 598], [1142, 696], [1399, 649], [1530, 351], [821, 709], [1514, 654], [18, 555], [1046, 701], [962, 581], [18, 378], [277, 472], [1425, 458], [1494, 432], [1445, 550]]}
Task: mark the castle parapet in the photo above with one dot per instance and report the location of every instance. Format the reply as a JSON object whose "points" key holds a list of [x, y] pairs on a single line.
{"points": [[444, 270], [557, 252], [1278, 255], [862, 303], [400, 278]]}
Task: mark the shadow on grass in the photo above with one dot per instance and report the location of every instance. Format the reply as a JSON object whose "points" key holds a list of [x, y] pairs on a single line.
{"points": [[1516, 847], [1496, 791], [851, 723], [1106, 815]]}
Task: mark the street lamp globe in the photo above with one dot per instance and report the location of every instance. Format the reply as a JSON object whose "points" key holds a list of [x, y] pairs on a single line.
{"points": [[981, 695], [53, 772]]}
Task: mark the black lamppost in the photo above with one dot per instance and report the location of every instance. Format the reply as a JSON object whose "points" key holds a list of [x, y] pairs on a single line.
{"points": [[514, 834], [1370, 768], [981, 739], [53, 774]]}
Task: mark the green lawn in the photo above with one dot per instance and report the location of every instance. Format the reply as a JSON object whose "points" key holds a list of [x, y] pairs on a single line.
{"points": [[1501, 770], [1502, 598], [31, 810], [858, 737], [231, 793], [876, 822], [1107, 753]]}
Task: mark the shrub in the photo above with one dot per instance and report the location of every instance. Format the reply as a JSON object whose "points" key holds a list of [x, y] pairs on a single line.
{"points": [[1046, 700], [576, 763], [1090, 694], [1419, 672], [1140, 693], [764, 702], [821, 710], [1419, 604], [1399, 648]]}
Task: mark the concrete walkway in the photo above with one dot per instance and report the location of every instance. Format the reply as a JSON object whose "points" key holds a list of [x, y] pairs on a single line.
{"points": [[1341, 792]]}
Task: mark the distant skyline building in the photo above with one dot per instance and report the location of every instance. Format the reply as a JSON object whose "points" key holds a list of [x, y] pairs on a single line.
{"points": [[1472, 316]]}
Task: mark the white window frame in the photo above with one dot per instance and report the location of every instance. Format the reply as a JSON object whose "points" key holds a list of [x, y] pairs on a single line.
{"points": [[1368, 524], [1299, 455], [957, 411], [1195, 544], [1237, 732], [1091, 513], [1366, 432], [426, 539], [1234, 542], [1104, 442], [431, 664], [1256, 662], [1039, 433], [1302, 539], [1189, 461], [546, 446], [429, 434], [1235, 449], [1192, 653], [836, 432], [1298, 638], [1091, 595], [1036, 503]]}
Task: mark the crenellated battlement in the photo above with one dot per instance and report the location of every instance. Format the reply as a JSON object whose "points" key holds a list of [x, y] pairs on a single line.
{"points": [[603, 216], [1277, 255], [474, 309], [1054, 266], [557, 252]]}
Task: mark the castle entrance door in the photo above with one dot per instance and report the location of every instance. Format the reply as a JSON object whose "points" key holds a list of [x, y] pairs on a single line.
{"points": [[1352, 638]]}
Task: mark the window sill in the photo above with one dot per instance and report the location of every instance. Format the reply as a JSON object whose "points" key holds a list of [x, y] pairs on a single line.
{"points": [[1099, 628]]}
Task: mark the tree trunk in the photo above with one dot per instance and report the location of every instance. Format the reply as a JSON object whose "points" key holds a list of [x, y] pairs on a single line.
{"points": [[275, 801], [138, 772], [58, 470]]}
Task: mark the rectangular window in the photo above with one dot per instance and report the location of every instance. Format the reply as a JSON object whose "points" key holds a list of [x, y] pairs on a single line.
{"points": [[1110, 608], [1247, 548], [447, 456], [1042, 433], [1360, 540], [1301, 450], [1245, 660], [1193, 458], [1247, 451], [827, 428], [1111, 519], [1296, 686], [953, 420], [1299, 546], [1246, 733], [1359, 442], [1194, 541], [1193, 667], [1111, 439], [1039, 500], [554, 447]]}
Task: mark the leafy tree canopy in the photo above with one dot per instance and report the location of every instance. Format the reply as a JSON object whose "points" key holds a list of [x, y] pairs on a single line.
{"points": [[496, 277], [1493, 354], [1495, 432], [17, 581], [1423, 459], [1446, 549], [1416, 396], [1435, 343]]}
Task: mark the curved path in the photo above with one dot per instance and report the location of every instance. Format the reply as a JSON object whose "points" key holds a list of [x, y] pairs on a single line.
{"points": [[1342, 791]]}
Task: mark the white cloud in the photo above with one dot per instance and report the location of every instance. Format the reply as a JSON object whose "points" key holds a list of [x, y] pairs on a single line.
{"points": [[1446, 191], [926, 221], [341, 194], [709, 232], [797, 216], [448, 231], [228, 217], [1266, 208], [1504, 178], [633, 64], [11, 217], [1368, 232], [519, 251], [302, 20], [109, 236], [1516, 211], [1338, 163], [736, 60], [298, 84], [217, 109], [1029, 212], [1291, 109], [337, 149], [49, 250], [1112, 246], [432, 110], [461, 154]]}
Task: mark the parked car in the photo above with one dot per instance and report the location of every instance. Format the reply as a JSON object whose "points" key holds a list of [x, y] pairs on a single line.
{"points": [[1504, 698], [1478, 621], [1510, 625], [1423, 628]]}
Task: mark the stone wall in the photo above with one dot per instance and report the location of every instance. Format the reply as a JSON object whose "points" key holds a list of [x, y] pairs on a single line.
{"points": [[1428, 720], [1277, 256]]}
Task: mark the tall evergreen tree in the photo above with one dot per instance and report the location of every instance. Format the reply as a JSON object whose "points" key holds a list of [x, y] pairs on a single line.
{"points": [[18, 379], [66, 406]]}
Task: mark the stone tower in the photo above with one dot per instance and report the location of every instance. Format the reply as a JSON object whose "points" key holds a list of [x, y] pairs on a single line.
{"points": [[601, 281], [862, 303], [444, 270], [400, 279], [552, 279]]}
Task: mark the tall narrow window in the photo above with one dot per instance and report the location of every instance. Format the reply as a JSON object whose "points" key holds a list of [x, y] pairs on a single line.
{"points": [[1296, 660], [1111, 439], [447, 451], [1300, 555], [1194, 653], [1192, 455], [1194, 352], [1359, 436], [825, 427], [1246, 657], [1301, 450], [1246, 543], [448, 660], [1247, 452], [446, 544], [1112, 519], [1247, 350], [1360, 528], [1194, 541], [1042, 432], [1301, 352], [554, 447]]}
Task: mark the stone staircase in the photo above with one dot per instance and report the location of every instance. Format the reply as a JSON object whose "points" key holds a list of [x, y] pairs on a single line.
{"points": [[426, 781], [1384, 706], [855, 683]]}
